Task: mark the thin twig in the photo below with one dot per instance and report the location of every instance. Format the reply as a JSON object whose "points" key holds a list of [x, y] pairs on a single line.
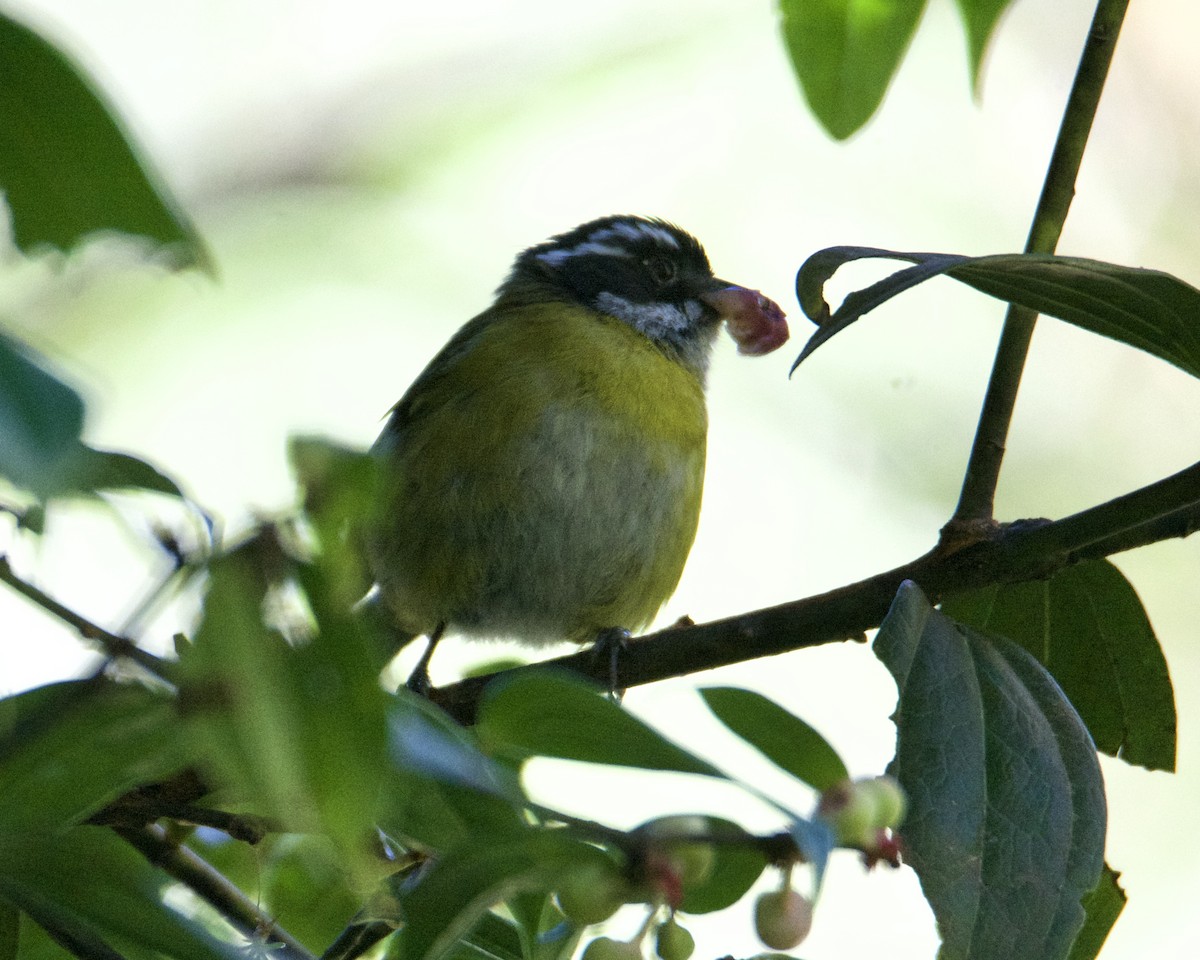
{"points": [[201, 878], [976, 502], [112, 644]]}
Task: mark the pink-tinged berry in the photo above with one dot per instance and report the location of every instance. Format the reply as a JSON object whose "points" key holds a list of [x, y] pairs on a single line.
{"points": [[782, 919]]}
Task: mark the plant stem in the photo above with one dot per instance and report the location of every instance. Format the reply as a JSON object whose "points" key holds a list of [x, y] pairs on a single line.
{"points": [[977, 500], [112, 644]]}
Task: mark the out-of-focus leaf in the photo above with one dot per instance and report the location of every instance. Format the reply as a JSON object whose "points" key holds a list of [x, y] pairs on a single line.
{"points": [[67, 169], [448, 899], [552, 715], [541, 929], [306, 891], [1007, 815], [53, 879], [845, 53], [93, 470], [1147, 309], [1103, 906], [781, 736], [735, 868], [1089, 629], [299, 727], [338, 485], [68, 749], [979, 20], [40, 416]]}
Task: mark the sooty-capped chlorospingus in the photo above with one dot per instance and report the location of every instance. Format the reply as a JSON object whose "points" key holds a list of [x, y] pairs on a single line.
{"points": [[542, 476]]}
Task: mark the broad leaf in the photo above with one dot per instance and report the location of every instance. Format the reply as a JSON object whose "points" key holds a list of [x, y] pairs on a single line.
{"points": [[781, 736], [845, 53], [67, 169], [10, 931], [94, 470], [445, 901], [1089, 629], [1103, 905], [68, 749], [979, 20], [553, 715], [54, 881], [1147, 309], [1007, 814], [298, 727]]}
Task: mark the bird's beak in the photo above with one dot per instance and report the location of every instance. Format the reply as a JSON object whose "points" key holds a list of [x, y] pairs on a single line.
{"points": [[756, 324]]}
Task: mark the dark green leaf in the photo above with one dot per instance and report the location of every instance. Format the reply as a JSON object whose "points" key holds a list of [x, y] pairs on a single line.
{"points": [[450, 897], [735, 868], [68, 749], [40, 416], [501, 939], [979, 19], [1089, 629], [1147, 309], [1103, 906], [781, 736], [553, 715], [1007, 815], [54, 881], [93, 470], [10, 931], [845, 53], [67, 168]]}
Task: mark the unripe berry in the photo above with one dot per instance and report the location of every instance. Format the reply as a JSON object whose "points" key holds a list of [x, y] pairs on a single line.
{"points": [[782, 919], [851, 811], [592, 893], [891, 803], [606, 948], [673, 942]]}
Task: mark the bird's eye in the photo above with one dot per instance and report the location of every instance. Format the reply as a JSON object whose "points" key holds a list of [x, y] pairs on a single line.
{"points": [[662, 271]]}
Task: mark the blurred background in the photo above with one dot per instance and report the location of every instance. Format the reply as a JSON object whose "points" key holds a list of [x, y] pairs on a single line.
{"points": [[363, 174]]}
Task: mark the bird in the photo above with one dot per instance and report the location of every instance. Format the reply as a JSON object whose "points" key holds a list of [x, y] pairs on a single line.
{"points": [[541, 478]]}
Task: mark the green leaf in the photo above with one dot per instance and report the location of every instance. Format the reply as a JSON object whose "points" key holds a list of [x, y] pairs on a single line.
{"points": [[450, 897], [40, 416], [1147, 309], [54, 881], [735, 868], [1088, 628], [298, 728], [339, 485], [67, 168], [94, 470], [10, 931], [845, 53], [68, 749], [979, 19], [1007, 815], [783, 738], [552, 715], [1103, 906]]}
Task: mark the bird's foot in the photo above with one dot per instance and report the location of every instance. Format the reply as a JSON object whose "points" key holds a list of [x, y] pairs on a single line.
{"points": [[610, 644]]}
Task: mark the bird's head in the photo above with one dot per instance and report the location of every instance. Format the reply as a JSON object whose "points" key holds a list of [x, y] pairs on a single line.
{"points": [[655, 277]]}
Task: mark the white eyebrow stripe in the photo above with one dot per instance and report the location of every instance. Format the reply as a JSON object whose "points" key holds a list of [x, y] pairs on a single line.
{"points": [[638, 231], [557, 256]]}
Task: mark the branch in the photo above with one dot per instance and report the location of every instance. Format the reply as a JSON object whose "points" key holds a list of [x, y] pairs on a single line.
{"points": [[201, 878], [976, 501], [113, 645], [1026, 550]]}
